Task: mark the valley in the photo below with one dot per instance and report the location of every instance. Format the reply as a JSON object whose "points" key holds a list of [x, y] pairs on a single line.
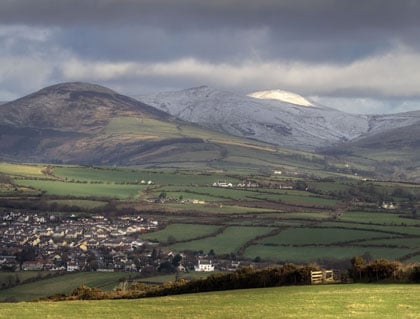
{"points": [[91, 180], [262, 219]]}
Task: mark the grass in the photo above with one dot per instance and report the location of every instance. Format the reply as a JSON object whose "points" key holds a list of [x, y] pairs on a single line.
{"points": [[215, 209], [246, 213], [299, 199], [386, 218], [231, 240], [173, 277], [61, 285], [402, 242], [309, 254], [22, 170], [329, 302], [7, 277], [84, 189], [181, 232], [131, 175], [305, 215], [302, 236], [391, 229]]}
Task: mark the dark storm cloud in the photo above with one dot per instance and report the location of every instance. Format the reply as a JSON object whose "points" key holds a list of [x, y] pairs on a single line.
{"points": [[310, 16], [336, 48], [319, 30]]}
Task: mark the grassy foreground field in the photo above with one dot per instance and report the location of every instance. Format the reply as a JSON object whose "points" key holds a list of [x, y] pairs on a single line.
{"points": [[337, 301]]}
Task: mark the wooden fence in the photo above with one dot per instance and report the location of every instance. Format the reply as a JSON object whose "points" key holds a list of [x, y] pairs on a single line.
{"points": [[322, 277]]}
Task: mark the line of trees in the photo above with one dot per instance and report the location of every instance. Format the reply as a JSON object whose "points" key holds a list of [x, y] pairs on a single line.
{"points": [[383, 270], [243, 278], [380, 270]]}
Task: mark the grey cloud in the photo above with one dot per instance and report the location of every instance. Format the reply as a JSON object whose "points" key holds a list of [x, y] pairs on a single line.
{"points": [[330, 47], [318, 30], [153, 44], [308, 14]]}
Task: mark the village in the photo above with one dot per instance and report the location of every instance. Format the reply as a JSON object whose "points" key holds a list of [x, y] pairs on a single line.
{"points": [[35, 242]]}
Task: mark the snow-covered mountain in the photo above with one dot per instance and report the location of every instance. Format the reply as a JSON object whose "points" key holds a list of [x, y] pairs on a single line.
{"points": [[275, 116]]}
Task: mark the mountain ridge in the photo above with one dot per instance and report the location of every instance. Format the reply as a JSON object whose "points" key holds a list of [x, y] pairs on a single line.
{"points": [[273, 121], [81, 123]]}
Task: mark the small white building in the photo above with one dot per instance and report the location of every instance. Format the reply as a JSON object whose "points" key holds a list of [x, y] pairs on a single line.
{"points": [[223, 184], [204, 266], [73, 266], [388, 205]]}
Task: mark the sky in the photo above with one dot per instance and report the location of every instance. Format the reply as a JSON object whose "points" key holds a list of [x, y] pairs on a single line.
{"points": [[361, 56]]}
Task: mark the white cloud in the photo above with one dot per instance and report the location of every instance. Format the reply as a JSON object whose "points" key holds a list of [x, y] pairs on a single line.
{"points": [[355, 105], [19, 75], [31, 58], [389, 75]]}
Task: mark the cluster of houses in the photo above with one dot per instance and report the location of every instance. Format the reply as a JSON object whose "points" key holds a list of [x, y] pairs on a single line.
{"points": [[70, 243]]}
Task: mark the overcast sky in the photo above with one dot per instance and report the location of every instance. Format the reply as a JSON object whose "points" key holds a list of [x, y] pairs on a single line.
{"points": [[357, 55]]}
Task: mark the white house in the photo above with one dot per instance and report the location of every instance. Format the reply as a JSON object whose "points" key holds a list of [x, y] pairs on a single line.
{"points": [[388, 205], [204, 265], [73, 266], [223, 184]]}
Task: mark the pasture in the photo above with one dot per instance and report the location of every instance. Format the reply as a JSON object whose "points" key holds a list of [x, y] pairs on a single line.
{"points": [[229, 241], [271, 223], [307, 254], [84, 189], [329, 301], [63, 284], [22, 170], [181, 232]]}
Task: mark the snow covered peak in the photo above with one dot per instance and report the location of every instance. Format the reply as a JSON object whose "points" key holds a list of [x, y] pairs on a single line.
{"points": [[281, 95]]}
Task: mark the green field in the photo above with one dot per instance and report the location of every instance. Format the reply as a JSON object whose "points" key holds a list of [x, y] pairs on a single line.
{"points": [[333, 219], [84, 190], [232, 239], [315, 236], [335, 302], [130, 175], [61, 285], [181, 232], [387, 218], [19, 170], [309, 254]]}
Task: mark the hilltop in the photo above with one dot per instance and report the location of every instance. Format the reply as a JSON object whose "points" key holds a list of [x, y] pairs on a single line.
{"points": [[84, 123]]}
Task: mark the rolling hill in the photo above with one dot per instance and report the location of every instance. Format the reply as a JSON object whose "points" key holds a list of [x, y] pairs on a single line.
{"points": [[83, 123], [395, 151], [89, 124]]}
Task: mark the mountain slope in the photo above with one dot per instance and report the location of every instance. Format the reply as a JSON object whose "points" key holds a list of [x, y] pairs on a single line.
{"points": [[84, 123], [81, 107], [391, 147], [299, 125], [270, 120]]}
